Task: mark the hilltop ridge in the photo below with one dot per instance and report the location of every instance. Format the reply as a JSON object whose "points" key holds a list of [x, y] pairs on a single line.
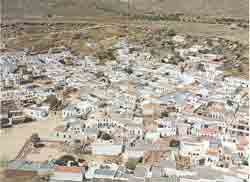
{"points": [[86, 8]]}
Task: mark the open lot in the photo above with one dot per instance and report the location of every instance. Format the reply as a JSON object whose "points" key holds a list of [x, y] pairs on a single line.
{"points": [[50, 150], [14, 138]]}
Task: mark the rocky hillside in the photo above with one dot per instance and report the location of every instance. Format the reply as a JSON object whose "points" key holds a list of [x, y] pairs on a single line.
{"points": [[86, 8], [218, 8], [66, 8]]}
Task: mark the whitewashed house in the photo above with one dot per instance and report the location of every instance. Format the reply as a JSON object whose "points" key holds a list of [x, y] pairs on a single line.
{"points": [[166, 127], [37, 113], [78, 109], [193, 147], [134, 130], [125, 101], [236, 82], [106, 149], [106, 124]]}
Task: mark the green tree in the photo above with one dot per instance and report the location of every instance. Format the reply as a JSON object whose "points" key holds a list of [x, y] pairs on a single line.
{"points": [[171, 32], [164, 114], [174, 143], [35, 139], [131, 164], [4, 160], [129, 70], [245, 162], [106, 136]]}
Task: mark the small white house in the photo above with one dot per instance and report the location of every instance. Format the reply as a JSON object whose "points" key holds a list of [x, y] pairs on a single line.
{"points": [[193, 147], [77, 109], [236, 82], [134, 130], [37, 113], [106, 149], [166, 127], [105, 123]]}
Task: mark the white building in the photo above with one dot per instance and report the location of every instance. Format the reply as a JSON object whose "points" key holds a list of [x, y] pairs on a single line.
{"points": [[193, 147], [236, 82], [38, 113], [106, 149], [166, 127], [78, 109]]}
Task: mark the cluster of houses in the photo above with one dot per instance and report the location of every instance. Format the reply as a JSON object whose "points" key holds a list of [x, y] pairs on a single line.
{"points": [[185, 122]]}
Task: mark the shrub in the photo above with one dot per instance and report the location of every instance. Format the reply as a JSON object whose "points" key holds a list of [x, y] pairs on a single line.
{"points": [[164, 114], [174, 143], [67, 158], [106, 137], [245, 162], [35, 138], [171, 32], [131, 164]]}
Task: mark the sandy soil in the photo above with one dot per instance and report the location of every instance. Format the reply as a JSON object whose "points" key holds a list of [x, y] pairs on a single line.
{"points": [[46, 153], [13, 139]]}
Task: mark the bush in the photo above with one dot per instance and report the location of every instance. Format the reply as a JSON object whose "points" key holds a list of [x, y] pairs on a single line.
{"points": [[164, 114], [171, 32], [245, 163], [131, 164], [174, 143], [100, 74], [67, 158], [28, 119], [35, 138], [49, 15], [106, 137], [129, 70], [4, 160]]}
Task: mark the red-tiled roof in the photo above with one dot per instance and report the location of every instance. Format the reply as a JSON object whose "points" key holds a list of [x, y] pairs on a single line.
{"points": [[59, 129], [244, 140], [66, 169], [212, 152], [208, 131]]}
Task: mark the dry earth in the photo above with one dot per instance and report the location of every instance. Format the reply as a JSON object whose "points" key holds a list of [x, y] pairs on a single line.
{"points": [[86, 8], [14, 138]]}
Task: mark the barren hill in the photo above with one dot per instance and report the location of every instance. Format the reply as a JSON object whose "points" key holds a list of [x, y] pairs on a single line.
{"points": [[218, 8], [86, 8], [66, 8]]}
